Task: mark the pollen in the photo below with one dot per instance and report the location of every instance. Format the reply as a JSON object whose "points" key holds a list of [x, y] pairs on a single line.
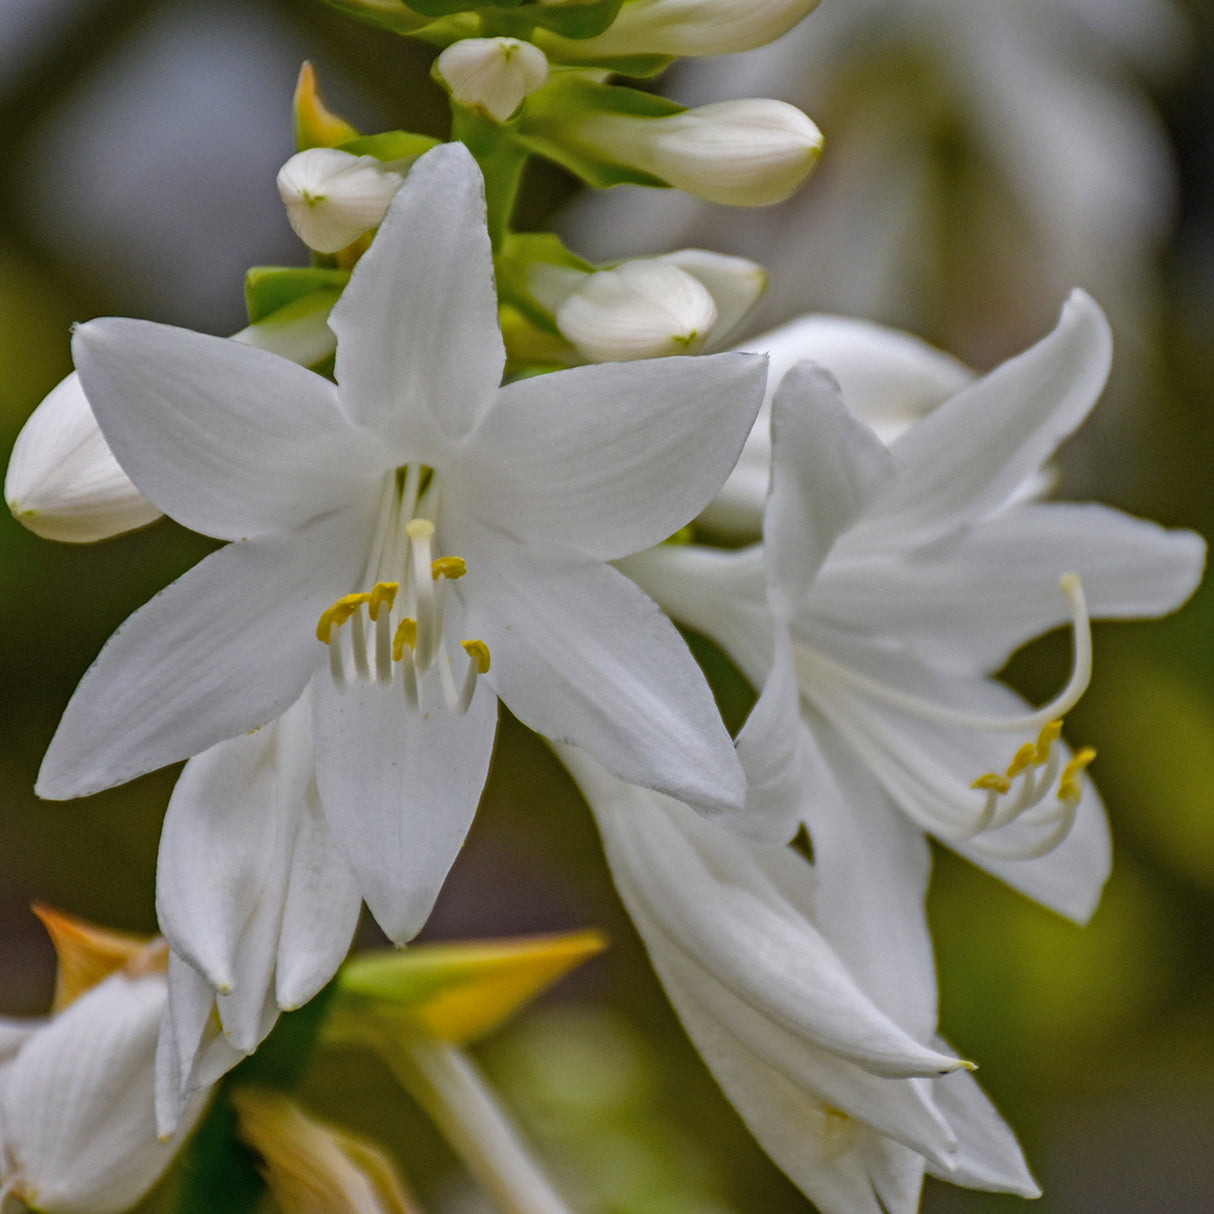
{"points": [[450, 567], [478, 651], [1068, 785], [406, 634], [992, 782], [339, 613], [381, 593]]}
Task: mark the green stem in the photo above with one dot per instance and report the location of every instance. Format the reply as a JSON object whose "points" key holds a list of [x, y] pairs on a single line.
{"points": [[501, 161]]}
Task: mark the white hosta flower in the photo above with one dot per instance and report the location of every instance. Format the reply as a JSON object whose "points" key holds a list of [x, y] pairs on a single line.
{"points": [[332, 197], [908, 575], [889, 380], [742, 153], [411, 543], [63, 482], [494, 75], [77, 1129], [690, 27], [809, 989]]}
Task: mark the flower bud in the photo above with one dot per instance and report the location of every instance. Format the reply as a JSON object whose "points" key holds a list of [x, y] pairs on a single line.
{"points": [[310, 1166], [77, 1126], [641, 309], [494, 75], [332, 197], [741, 153], [692, 27], [63, 482]]}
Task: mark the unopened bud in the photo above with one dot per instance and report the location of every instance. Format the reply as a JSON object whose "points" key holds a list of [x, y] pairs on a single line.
{"points": [[692, 27], [741, 153], [640, 309], [332, 197], [63, 482], [494, 75], [310, 1166]]}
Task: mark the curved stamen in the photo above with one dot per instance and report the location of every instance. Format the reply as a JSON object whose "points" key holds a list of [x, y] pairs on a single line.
{"points": [[1077, 684]]}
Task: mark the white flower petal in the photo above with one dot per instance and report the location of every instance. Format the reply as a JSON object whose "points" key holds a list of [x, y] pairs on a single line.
{"points": [[703, 889], [225, 648], [582, 656], [494, 75], [735, 284], [972, 601], [399, 791], [609, 459], [419, 350], [972, 454], [988, 1157], [827, 468], [229, 440], [321, 912], [63, 482], [872, 866], [229, 827]]}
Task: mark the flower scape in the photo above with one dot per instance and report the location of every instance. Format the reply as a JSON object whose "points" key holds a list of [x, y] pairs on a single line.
{"points": [[452, 464]]}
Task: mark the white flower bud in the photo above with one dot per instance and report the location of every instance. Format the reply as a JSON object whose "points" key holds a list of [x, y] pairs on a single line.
{"points": [[494, 75], [735, 284], [741, 153], [333, 197], [63, 482], [76, 1109], [640, 309], [694, 27]]}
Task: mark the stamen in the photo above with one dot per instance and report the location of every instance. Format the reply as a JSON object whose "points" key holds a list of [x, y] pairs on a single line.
{"points": [[406, 634], [993, 782], [383, 595], [450, 567], [339, 613], [478, 664], [1068, 786], [420, 532], [1077, 684]]}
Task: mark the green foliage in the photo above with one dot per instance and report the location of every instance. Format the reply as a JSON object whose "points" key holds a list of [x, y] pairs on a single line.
{"points": [[269, 289]]}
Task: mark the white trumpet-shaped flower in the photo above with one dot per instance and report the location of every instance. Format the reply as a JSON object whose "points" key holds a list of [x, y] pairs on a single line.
{"points": [[411, 543], [809, 989], [908, 575]]}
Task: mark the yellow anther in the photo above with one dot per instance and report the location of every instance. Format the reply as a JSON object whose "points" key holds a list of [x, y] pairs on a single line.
{"points": [[1068, 786], [478, 651], [381, 593], [339, 613], [406, 634], [1025, 757], [449, 567], [419, 528], [1046, 738], [992, 782]]}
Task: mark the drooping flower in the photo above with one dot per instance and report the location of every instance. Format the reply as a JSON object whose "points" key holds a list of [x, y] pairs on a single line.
{"points": [[77, 1130], [347, 506], [809, 989], [493, 75], [908, 575]]}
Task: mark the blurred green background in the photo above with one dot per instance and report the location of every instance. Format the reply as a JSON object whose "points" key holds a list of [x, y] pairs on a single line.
{"points": [[139, 140]]}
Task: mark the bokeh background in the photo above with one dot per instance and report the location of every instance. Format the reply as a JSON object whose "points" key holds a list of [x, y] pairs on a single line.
{"points": [[139, 141]]}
